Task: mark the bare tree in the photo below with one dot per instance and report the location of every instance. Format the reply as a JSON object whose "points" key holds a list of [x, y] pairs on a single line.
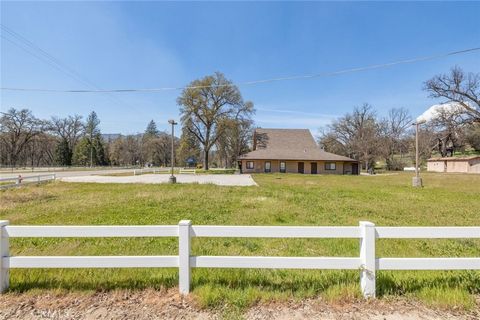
{"points": [[458, 87], [449, 128], [18, 128], [394, 129], [40, 150], [356, 134]]}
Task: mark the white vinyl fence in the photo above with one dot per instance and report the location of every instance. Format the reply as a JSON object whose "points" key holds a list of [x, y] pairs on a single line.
{"points": [[366, 262], [6, 183], [137, 172], [187, 171]]}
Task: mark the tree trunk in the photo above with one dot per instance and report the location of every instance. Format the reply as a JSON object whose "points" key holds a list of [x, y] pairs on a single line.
{"points": [[205, 159]]}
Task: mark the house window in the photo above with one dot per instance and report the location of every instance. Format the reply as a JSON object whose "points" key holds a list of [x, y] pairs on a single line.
{"points": [[249, 164], [268, 166], [330, 166], [283, 167]]}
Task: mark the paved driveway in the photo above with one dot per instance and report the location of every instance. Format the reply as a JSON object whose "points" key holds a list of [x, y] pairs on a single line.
{"points": [[218, 179]]}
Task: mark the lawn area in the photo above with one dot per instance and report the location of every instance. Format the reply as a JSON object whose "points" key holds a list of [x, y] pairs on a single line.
{"points": [[280, 199]]}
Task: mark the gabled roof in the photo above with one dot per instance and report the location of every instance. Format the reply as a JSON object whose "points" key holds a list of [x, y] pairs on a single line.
{"points": [[288, 144]]}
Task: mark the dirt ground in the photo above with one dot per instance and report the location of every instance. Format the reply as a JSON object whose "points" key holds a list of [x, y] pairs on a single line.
{"points": [[150, 304]]}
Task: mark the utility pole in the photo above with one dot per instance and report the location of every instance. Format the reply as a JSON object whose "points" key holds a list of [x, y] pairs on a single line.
{"points": [[173, 179], [417, 180]]}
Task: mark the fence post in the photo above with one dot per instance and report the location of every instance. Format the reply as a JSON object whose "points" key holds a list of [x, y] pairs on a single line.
{"points": [[4, 252], [367, 255], [184, 272]]}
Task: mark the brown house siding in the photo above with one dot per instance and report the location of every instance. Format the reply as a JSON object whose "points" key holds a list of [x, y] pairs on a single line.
{"points": [[292, 166]]}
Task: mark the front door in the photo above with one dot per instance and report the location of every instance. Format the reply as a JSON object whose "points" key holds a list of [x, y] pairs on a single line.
{"points": [[314, 168], [300, 167], [354, 168]]}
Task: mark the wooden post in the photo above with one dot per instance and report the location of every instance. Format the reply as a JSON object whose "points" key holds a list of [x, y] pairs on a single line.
{"points": [[367, 255], [4, 252], [184, 272]]}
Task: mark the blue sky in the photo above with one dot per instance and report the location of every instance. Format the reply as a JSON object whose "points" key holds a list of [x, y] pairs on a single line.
{"points": [[152, 44]]}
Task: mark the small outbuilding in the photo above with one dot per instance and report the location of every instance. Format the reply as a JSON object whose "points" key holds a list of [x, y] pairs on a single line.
{"points": [[454, 164]]}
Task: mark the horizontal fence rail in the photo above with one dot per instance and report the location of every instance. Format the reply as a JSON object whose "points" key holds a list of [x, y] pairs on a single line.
{"points": [[90, 231], [21, 180], [367, 262]]}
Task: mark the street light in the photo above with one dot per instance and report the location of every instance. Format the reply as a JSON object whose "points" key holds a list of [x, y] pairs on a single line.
{"points": [[417, 181], [172, 179]]}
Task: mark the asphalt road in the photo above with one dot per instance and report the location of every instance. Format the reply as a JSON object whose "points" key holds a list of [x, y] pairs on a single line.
{"points": [[63, 174]]}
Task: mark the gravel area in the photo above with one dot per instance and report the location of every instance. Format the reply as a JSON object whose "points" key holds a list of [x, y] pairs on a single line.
{"points": [[167, 304], [218, 179]]}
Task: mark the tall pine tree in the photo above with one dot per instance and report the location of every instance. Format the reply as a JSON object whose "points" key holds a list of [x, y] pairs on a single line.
{"points": [[90, 149]]}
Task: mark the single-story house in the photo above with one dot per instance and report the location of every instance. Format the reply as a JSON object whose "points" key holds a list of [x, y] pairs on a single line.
{"points": [[294, 151], [454, 164]]}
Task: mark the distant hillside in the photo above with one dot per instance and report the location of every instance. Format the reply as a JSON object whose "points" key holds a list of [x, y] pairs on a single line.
{"points": [[110, 136]]}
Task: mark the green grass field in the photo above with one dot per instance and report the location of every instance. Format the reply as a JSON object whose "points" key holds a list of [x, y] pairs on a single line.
{"points": [[446, 200]]}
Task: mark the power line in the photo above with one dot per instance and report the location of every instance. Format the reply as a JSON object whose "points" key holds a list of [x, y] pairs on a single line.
{"points": [[33, 49], [254, 82]]}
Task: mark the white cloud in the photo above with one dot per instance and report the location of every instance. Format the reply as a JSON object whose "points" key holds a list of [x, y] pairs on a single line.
{"points": [[266, 109], [435, 110]]}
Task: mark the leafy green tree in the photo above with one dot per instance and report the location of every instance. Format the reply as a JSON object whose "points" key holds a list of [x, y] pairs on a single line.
{"points": [[81, 154], [90, 149], [90, 152], [473, 136], [205, 105], [151, 131], [63, 154], [92, 129], [188, 147]]}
